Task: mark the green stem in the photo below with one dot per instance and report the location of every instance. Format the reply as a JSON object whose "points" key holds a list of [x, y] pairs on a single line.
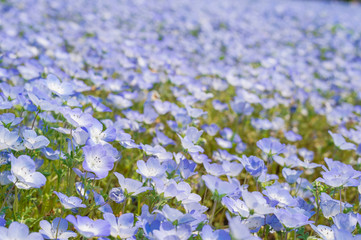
{"points": [[32, 125], [15, 206], [341, 200], [7, 196], [213, 211]]}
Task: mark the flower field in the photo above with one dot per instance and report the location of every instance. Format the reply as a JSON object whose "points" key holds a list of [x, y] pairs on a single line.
{"points": [[176, 120]]}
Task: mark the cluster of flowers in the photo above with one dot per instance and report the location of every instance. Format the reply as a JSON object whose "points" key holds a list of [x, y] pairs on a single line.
{"points": [[180, 119]]}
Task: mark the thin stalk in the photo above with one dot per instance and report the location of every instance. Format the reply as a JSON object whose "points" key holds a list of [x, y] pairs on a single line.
{"points": [[124, 204], [340, 200], [16, 204], [32, 125], [213, 211], [7, 196]]}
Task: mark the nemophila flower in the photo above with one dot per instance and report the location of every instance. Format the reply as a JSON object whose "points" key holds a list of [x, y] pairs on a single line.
{"points": [[117, 195], [2, 220], [98, 136], [62, 89], [5, 104], [9, 119], [41, 100], [119, 101], [238, 230], [90, 228], [254, 223], [224, 155], [191, 137], [281, 196], [69, 202], [292, 136], [214, 169], [173, 215], [23, 173], [345, 221], [77, 117], [240, 106], [199, 158], [157, 151], [33, 141], [306, 154], [51, 154], [253, 165], [331, 207], [80, 136], [150, 169], [221, 187], [292, 217], [195, 112], [4, 180], [168, 231], [58, 229], [186, 168], [340, 142], [181, 191], [131, 186], [271, 146], [104, 207], [211, 129], [207, 233], [122, 226], [261, 124], [7, 138], [18, 231], [163, 139], [162, 107], [343, 174], [236, 206], [325, 232], [273, 221], [98, 160], [219, 106], [290, 175], [256, 202], [98, 105], [343, 234], [80, 189]]}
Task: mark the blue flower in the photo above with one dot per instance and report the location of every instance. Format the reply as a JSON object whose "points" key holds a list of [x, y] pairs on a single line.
{"points": [[150, 169], [58, 229], [18, 231], [292, 217], [69, 202], [292, 136], [90, 228], [290, 175], [207, 233], [122, 226], [281, 196], [239, 230], [9, 119], [62, 89], [33, 141], [131, 186], [98, 160], [341, 143], [7, 139], [117, 195], [23, 173], [221, 187], [253, 165], [271, 146]]}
